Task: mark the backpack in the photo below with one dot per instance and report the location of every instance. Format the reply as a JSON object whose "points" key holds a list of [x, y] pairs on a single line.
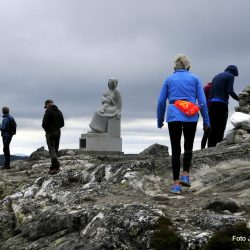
{"points": [[12, 126]]}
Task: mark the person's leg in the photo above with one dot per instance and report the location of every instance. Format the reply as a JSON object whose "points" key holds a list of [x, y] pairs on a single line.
{"points": [[223, 122], [214, 114], [57, 141], [204, 139], [175, 131], [189, 129], [218, 113], [6, 150], [51, 142]]}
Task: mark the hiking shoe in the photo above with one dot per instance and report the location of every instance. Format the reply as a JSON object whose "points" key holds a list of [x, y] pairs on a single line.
{"points": [[54, 171], [185, 181], [5, 167], [175, 189]]}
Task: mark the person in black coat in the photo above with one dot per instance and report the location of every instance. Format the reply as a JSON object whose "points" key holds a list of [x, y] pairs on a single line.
{"points": [[222, 88], [52, 123]]}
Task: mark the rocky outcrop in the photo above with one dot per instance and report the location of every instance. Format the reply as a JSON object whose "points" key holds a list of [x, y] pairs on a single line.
{"points": [[156, 150], [244, 101], [241, 132], [122, 202]]}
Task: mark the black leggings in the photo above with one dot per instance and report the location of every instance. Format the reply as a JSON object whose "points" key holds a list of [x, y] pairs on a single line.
{"points": [[175, 132], [218, 114], [204, 139]]}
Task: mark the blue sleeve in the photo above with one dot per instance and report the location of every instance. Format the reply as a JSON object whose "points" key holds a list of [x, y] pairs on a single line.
{"points": [[231, 89], [161, 107], [4, 125], [203, 104]]}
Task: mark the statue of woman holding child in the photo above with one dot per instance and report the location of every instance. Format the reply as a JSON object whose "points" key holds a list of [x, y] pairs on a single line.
{"points": [[111, 108]]}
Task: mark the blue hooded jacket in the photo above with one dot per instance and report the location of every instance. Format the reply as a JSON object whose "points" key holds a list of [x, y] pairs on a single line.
{"points": [[181, 85], [223, 85], [5, 125]]}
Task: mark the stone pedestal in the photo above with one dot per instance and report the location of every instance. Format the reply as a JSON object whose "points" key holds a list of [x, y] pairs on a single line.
{"points": [[109, 142]]}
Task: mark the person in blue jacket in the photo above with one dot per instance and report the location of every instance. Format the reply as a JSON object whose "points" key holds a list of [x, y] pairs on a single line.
{"points": [[222, 87], [181, 85], [6, 136]]}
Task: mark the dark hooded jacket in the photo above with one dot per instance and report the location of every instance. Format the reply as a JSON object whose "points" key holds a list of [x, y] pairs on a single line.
{"points": [[223, 85], [52, 119]]}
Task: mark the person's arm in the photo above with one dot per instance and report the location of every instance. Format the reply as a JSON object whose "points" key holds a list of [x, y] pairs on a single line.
{"points": [[61, 120], [161, 107], [231, 89], [4, 125], [45, 123], [202, 104]]}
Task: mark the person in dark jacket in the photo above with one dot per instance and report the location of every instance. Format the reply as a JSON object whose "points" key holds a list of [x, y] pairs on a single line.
{"points": [[181, 85], [207, 88], [52, 123], [223, 87], [6, 136]]}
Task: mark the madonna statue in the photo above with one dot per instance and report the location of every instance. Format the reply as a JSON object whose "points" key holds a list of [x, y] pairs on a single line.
{"points": [[111, 108]]}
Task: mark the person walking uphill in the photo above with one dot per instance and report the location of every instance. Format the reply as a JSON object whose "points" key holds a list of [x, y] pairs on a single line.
{"points": [[218, 108], [182, 89], [8, 129], [53, 121], [207, 88]]}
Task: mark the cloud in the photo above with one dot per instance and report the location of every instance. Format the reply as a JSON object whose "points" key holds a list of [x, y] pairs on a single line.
{"points": [[66, 50]]}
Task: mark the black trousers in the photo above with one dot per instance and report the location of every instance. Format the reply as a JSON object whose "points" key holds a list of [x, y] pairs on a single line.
{"points": [[6, 150], [204, 139], [175, 132], [218, 114], [53, 140]]}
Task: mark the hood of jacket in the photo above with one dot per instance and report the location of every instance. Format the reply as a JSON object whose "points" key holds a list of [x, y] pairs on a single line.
{"points": [[53, 107], [232, 69]]}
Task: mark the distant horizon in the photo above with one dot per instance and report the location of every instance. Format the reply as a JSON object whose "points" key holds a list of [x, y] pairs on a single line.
{"points": [[161, 137]]}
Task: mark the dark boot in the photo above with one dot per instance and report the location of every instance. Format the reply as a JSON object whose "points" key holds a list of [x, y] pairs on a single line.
{"points": [[55, 166]]}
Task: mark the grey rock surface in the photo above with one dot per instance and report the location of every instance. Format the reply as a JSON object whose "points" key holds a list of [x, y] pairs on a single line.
{"points": [[121, 201], [241, 134], [115, 202]]}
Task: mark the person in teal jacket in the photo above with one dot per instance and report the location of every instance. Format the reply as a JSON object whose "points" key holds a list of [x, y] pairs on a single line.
{"points": [[181, 85]]}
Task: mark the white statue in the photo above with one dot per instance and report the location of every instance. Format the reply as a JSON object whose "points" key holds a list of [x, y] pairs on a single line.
{"points": [[111, 108]]}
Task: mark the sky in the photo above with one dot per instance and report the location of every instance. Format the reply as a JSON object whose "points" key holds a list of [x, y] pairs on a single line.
{"points": [[66, 50]]}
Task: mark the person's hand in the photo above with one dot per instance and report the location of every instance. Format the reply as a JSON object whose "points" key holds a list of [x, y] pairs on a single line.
{"points": [[205, 128], [160, 124]]}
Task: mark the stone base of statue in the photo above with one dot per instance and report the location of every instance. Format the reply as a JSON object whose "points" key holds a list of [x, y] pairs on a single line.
{"points": [[109, 142]]}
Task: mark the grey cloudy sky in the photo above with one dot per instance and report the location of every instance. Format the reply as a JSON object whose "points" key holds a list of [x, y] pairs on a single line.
{"points": [[66, 50]]}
